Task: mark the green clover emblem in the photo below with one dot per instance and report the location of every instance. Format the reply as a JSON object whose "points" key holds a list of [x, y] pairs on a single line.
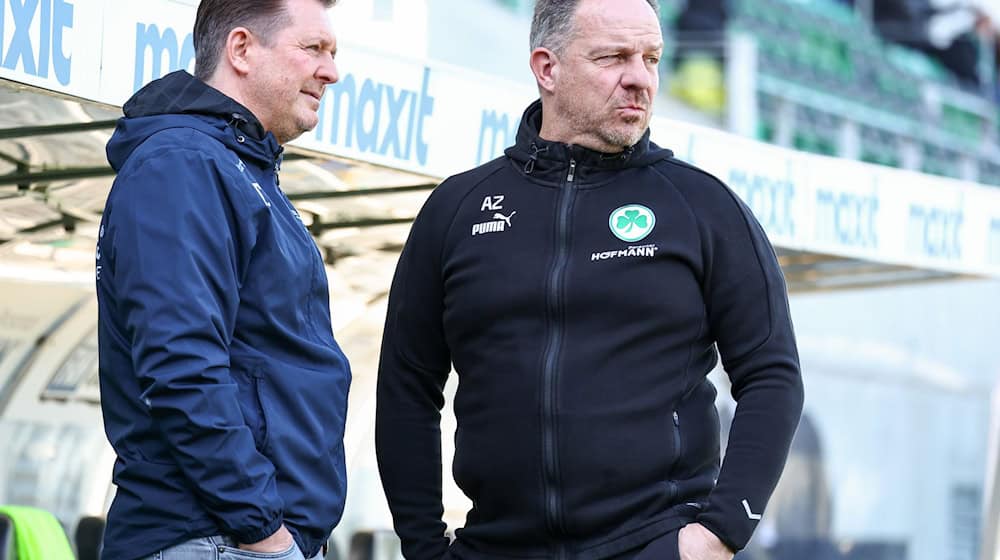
{"points": [[632, 223], [631, 219]]}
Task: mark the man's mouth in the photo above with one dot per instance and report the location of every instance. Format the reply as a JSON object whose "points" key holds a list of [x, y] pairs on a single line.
{"points": [[632, 109]]}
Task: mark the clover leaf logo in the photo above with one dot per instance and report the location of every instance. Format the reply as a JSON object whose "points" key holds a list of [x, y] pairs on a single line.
{"points": [[632, 223], [630, 219]]}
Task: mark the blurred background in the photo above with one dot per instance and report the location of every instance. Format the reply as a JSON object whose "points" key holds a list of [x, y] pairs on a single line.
{"points": [[864, 135]]}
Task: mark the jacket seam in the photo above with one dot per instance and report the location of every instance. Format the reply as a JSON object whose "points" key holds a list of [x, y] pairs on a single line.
{"points": [[687, 206], [443, 244], [756, 253], [701, 242]]}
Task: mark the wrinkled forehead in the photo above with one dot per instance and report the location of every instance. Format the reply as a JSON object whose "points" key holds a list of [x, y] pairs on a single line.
{"points": [[630, 22]]}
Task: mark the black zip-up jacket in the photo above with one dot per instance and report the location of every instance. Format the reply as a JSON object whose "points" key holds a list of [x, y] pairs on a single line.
{"points": [[581, 298]]}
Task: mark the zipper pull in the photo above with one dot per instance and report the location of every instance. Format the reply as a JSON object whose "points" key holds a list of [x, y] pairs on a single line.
{"points": [[572, 171]]}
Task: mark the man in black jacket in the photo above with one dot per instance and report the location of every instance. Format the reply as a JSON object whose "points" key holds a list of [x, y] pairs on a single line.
{"points": [[580, 287]]}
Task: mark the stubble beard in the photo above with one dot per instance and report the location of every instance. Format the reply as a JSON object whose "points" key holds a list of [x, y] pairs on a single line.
{"points": [[616, 132], [613, 131]]}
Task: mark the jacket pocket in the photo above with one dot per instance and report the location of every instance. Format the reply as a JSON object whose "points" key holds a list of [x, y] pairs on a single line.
{"points": [[305, 411], [699, 433], [249, 384], [303, 408]]}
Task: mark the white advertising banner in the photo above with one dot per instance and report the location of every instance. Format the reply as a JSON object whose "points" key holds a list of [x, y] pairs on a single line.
{"points": [[53, 44], [437, 120], [429, 119], [143, 41], [849, 208]]}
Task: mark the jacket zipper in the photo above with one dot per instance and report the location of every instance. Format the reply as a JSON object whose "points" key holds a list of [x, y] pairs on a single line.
{"points": [[677, 455], [553, 506], [677, 436]]}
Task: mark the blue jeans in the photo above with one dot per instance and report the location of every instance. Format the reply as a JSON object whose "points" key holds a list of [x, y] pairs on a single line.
{"points": [[223, 548]]}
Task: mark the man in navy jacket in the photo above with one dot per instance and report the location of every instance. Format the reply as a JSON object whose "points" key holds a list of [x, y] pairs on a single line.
{"points": [[223, 390], [582, 287]]}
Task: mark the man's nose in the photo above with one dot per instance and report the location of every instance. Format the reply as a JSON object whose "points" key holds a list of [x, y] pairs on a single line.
{"points": [[638, 74], [327, 72]]}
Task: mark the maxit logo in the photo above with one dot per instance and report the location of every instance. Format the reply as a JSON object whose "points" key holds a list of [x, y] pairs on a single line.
{"points": [[632, 222]]}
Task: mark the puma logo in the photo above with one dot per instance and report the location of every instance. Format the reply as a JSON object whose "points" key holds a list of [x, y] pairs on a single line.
{"points": [[497, 223], [499, 216]]}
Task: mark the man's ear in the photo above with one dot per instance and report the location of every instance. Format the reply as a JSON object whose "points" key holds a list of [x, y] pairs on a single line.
{"points": [[238, 46], [545, 67]]}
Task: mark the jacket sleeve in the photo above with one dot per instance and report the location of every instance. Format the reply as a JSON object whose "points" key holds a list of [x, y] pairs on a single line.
{"points": [[413, 368], [176, 257], [747, 306]]}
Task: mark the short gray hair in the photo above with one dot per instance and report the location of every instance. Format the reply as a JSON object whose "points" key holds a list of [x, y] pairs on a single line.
{"points": [[552, 24]]}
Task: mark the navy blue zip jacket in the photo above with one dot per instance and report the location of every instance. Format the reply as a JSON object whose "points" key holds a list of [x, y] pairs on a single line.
{"points": [[224, 393], [581, 298]]}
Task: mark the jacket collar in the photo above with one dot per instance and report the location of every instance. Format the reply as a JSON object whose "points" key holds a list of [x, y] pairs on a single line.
{"points": [[547, 160], [182, 100]]}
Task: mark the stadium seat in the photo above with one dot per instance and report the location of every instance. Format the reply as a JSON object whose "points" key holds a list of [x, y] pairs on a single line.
{"points": [[699, 81], [88, 536], [826, 47], [7, 551], [37, 534], [820, 50]]}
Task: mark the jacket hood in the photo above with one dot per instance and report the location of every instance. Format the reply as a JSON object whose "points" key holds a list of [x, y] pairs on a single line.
{"points": [[547, 160], [181, 100]]}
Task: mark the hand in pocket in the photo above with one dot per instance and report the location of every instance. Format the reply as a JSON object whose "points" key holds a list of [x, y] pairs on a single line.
{"points": [[279, 541], [694, 542]]}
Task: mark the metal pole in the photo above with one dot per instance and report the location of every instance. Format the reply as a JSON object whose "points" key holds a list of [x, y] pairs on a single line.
{"points": [[741, 84]]}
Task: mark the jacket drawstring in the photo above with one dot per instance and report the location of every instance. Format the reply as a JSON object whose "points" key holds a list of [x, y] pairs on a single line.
{"points": [[277, 167], [529, 167], [235, 121]]}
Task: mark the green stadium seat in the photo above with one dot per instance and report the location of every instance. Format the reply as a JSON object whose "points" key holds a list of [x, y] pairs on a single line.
{"points": [[824, 46], [37, 534]]}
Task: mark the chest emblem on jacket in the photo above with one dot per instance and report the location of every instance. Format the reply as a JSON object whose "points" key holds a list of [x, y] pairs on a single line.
{"points": [[498, 222], [632, 222]]}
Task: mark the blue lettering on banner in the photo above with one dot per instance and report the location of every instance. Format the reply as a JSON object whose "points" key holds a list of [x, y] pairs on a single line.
{"points": [[149, 38], [847, 219], [55, 17], [770, 199], [994, 256], [500, 130], [933, 232], [380, 118]]}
